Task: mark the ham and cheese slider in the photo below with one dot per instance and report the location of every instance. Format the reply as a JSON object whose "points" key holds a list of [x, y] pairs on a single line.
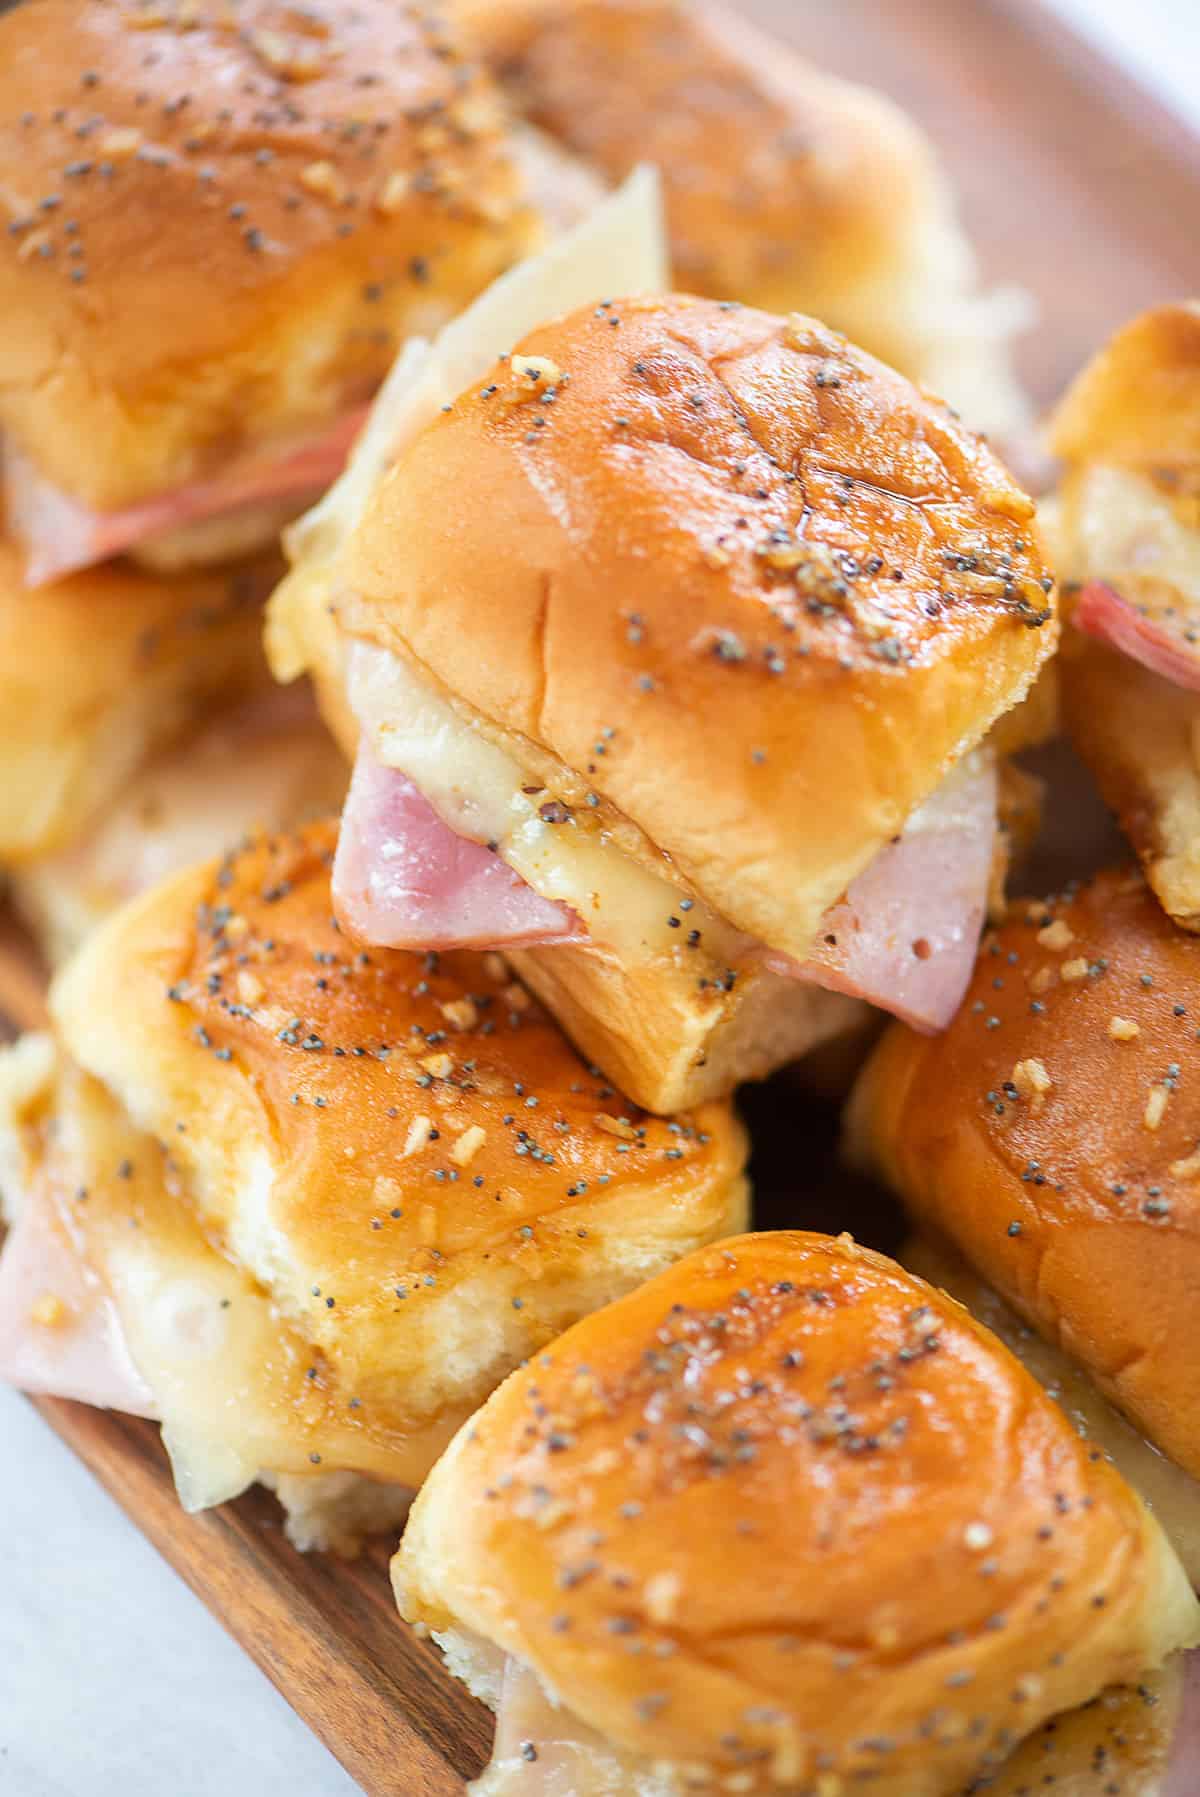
{"points": [[785, 187], [669, 647], [307, 1205], [1051, 1136], [1128, 537], [785, 1520], [220, 222]]}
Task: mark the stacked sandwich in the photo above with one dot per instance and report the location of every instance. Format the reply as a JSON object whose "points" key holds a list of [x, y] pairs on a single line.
{"points": [[218, 231], [675, 650]]}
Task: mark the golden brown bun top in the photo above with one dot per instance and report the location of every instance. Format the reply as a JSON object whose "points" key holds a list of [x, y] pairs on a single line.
{"points": [[787, 1509], [179, 179], [1137, 402], [1078, 1199], [694, 513], [783, 185], [413, 1108]]}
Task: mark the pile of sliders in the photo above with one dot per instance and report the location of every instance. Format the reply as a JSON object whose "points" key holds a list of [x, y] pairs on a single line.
{"points": [[634, 710]]}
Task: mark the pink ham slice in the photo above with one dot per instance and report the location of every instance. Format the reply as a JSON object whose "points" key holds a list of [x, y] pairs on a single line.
{"points": [[403, 879], [904, 937], [906, 934], [61, 535], [1183, 1774], [1165, 639], [83, 1355]]}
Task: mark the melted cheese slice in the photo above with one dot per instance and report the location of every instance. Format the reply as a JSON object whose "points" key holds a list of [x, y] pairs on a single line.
{"points": [[1133, 1735], [476, 788], [238, 1388]]}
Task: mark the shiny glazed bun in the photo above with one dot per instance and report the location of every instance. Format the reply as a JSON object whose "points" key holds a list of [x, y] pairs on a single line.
{"points": [[785, 187], [1051, 1135], [1171, 1494], [101, 670], [786, 1519], [222, 219], [396, 1167], [667, 512]]}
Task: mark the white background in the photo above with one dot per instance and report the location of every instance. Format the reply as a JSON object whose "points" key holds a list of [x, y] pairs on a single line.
{"points": [[112, 1676]]}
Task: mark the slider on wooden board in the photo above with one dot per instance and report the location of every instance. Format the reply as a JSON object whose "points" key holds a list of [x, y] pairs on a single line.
{"points": [[222, 222], [1128, 539], [786, 187], [787, 1520], [307, 1204], [670, 645], [1051, 1137]]}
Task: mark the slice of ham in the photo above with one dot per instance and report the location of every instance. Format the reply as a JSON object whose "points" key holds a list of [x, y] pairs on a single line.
{"points": [[905, 935], [1183, 1774], [403, 879], [79, 1349], [61, 535], [1163, 638]]}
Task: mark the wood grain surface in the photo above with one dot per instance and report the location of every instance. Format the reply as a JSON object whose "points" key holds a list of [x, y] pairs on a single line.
{"points": [[1076, 186]]}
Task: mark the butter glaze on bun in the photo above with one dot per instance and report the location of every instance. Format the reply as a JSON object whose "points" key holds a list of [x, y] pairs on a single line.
{"points": [[787, 1519], [693, 512], [1051, 1136], [222, 220], [398, 1161]]}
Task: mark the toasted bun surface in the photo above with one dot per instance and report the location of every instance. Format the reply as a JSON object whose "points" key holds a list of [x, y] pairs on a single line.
{"points": [[223, 220], [1134, 404], [99, 671], [1051, 1136], [1171, 1494], [694, 513], [404, 1151], [784, 186], [785, 1512]]}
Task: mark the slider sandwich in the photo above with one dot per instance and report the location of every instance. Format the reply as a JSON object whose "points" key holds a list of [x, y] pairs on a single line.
{"points": [[222, 221], [785, 187], [670, 644], [787, 1520], [1129, 542], [1051, 1139], [307, 1204]]}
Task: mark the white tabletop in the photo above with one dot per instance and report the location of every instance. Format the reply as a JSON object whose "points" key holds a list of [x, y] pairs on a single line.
{"points": [[113, 1677]]}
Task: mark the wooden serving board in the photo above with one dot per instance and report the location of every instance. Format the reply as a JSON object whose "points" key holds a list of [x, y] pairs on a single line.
{"points": [[1075, 185]]}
